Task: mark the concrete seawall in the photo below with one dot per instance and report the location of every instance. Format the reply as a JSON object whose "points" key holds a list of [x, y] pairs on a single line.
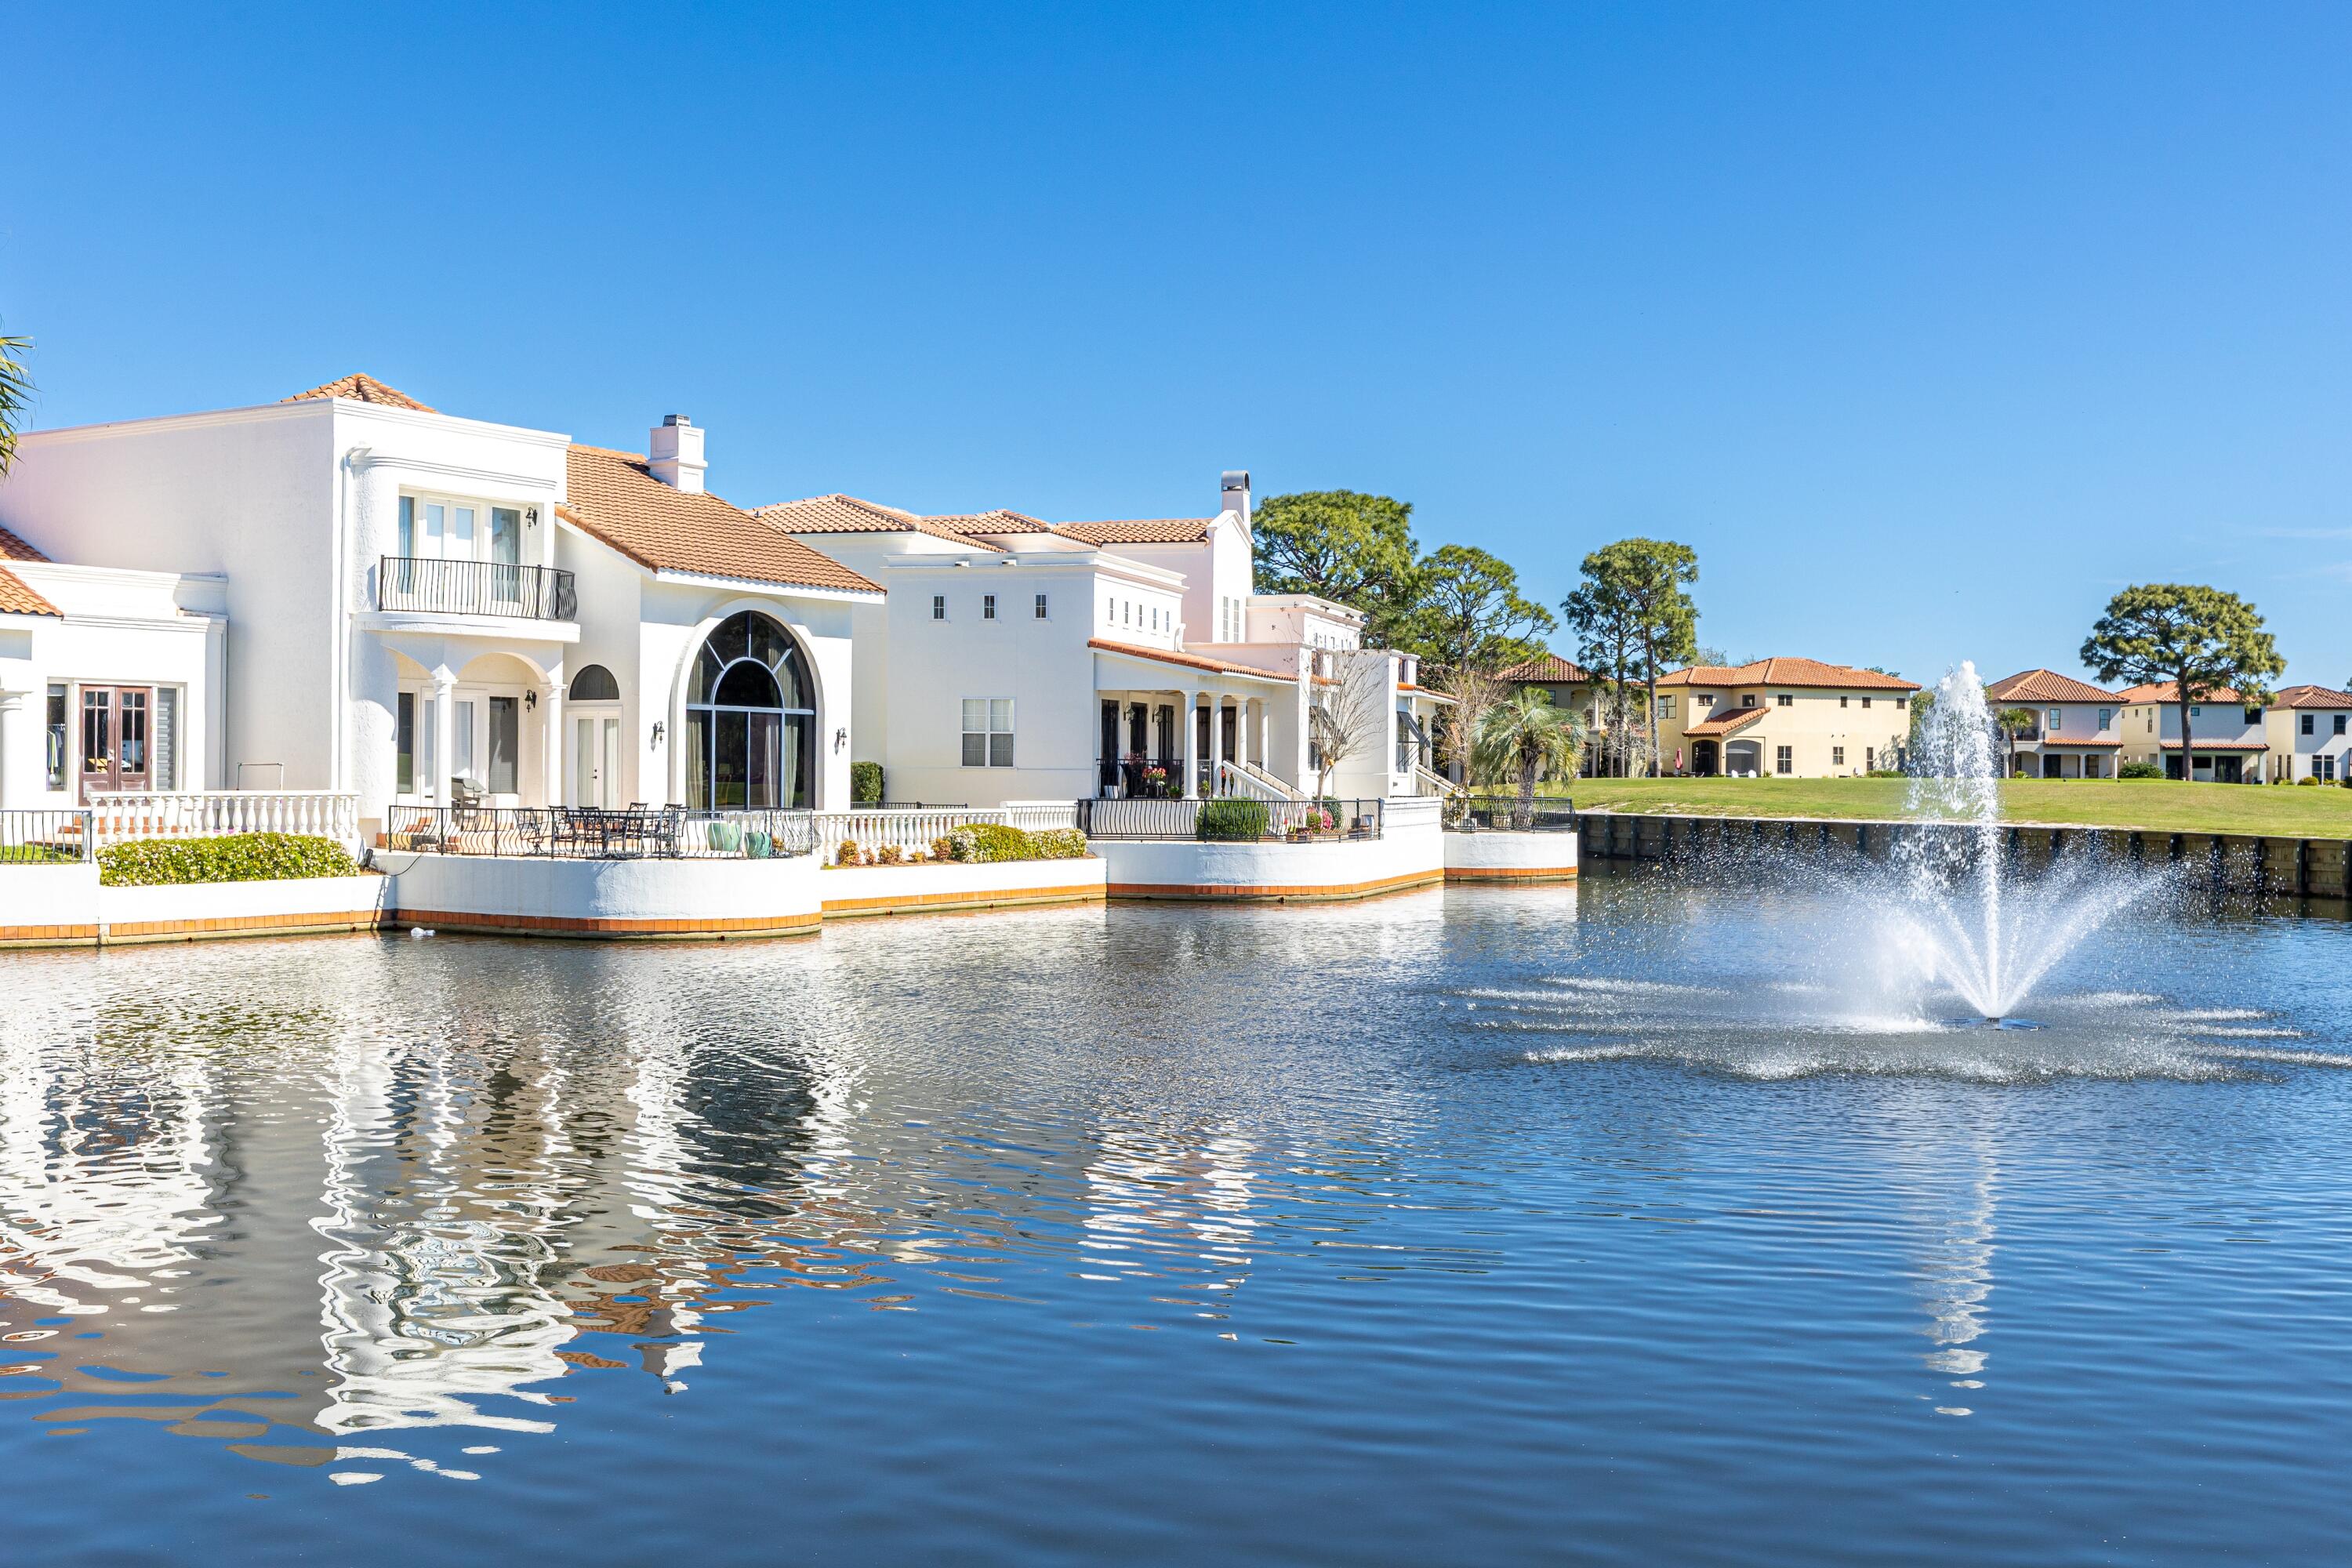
{"points": [[2235, 862]]}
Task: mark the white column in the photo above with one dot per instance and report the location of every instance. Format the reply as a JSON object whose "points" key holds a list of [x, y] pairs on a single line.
{"points": [[444, 733], [1192, 723], [551, 698], [1216, 741], [21, 758]]}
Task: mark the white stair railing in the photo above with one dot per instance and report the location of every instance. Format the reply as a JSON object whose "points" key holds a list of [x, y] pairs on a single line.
{"points": [[1249, 780], [1427, 780], [119, 815]]}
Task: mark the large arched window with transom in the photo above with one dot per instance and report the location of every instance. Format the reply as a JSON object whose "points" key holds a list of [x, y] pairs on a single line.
{"points": [[751, 718]]}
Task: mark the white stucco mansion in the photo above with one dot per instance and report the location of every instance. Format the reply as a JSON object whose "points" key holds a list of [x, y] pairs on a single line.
{"points": [[350, 591]]}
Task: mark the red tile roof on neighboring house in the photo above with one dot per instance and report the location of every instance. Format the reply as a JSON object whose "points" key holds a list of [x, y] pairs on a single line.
{"points": [[1726, 724], [361, 388], [1550, 670], [1190, 660], [2223, 745], [2169, 691], [615, 496], [18, 597], [2311, 697], [2046, 686], [1810, 672], [1140, 530], [838, 513]]}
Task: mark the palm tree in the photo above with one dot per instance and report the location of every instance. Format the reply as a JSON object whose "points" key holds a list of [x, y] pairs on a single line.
{"points": [[16, 395], [1524, 733], [2013, 722]]}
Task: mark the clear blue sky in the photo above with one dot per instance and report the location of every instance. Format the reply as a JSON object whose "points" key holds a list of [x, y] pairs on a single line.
{"points": [[1927, 326]]}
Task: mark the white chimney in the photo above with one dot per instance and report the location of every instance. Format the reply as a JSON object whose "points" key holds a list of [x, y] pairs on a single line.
{"points": [[675, 453], [1236, 496]]}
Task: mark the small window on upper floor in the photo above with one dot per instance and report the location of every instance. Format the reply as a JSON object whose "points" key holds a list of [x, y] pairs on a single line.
{"points": [[2339, 723], [2307, 725], [1866, 702], [1041, 606], [1786, 700], [939, 607], [1842, 701], [2057, 719], [988, 606], [1748, 700], [2253, 715], [2107, 717]]}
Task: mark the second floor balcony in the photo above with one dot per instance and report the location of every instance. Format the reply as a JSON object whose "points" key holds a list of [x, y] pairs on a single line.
{"points": [[442, 587]]}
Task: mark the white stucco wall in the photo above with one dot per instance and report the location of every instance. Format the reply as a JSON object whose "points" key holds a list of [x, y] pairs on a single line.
{"points": [[709, 896]]}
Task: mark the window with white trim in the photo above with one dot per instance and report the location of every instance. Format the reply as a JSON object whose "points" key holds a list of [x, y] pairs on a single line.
{"points": [[988, 732]]}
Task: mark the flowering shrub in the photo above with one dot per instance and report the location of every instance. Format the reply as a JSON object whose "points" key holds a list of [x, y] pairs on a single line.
{"points": [[988, 842], [230, 858]]}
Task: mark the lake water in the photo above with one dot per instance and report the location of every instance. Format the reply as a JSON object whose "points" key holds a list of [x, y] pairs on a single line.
{"points": [[1483, 1225]]}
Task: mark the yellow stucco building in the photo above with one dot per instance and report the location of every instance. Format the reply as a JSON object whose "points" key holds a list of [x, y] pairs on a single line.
{"points": [[1783, 717]]}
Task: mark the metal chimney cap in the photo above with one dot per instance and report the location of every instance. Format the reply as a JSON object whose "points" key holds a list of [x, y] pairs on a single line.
{"points": [[675, 419]]}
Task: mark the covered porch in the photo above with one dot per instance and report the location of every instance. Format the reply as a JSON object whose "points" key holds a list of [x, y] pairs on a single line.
{"points": [[1219, 729]]}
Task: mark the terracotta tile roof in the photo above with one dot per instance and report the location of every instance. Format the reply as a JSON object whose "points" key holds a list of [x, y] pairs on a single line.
{"points": [[838, 513], [612, 496], [2046, 686], [14, 549], [2046, 743], [2311, 697], [1551, 668], [1140, 530], [18, 598], [1788, 672], [997, 522], [1190, 660], [2169, 691], [1727, 723], [363, 389], [2223, 745]]}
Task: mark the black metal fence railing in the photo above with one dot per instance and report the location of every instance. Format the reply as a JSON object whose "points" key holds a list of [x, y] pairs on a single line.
{"points": [[1142, 777], [1545, 814], [474, 588], [1235, 819], [585, 833], [44, 837]]}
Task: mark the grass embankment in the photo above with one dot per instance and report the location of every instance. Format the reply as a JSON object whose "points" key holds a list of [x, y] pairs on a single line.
{"points": [[2159, 805]]}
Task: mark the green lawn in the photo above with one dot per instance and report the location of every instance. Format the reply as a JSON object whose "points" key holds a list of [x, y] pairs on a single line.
{"points": [[2158, 805]]}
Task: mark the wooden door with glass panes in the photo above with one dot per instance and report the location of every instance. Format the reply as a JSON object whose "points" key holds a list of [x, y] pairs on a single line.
{"points": [[116, 738]]}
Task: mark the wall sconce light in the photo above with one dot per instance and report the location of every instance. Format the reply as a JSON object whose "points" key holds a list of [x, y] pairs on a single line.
{"points": [[530, 517], [657, 732], [840, 739], [530, 700]]}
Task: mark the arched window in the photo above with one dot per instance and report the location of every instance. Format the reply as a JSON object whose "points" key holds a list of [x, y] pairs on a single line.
{"points": [[751, 718], [595, 684]]}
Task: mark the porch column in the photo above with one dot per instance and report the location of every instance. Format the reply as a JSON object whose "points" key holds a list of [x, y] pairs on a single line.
{"points": [[445, 731], [22, 760], [551, 699], [1191, 724], [1216, 742]]}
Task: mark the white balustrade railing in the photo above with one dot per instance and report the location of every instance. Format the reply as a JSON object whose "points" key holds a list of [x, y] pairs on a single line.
{"points": [[119, 815], [1042, 815], [908, 828]]}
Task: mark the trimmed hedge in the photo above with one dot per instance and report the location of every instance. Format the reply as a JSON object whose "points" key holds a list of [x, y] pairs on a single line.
{"points": [[2139, 771], [1233, 817], [986, 842], [866, 783], [232, 857]]}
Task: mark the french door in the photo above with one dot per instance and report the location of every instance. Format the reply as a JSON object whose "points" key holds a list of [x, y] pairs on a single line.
{"points": [[115, 740], [596, 760]]}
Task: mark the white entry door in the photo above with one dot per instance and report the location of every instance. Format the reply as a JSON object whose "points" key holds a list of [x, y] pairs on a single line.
{"points": [[596, 760]]}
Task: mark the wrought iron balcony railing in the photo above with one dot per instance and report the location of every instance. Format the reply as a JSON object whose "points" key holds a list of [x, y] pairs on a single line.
{"points": [[474, 588]]}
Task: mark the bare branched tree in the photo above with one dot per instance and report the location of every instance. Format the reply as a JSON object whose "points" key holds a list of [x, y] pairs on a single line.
{"points": [[1475, 692], [1347, 714]]}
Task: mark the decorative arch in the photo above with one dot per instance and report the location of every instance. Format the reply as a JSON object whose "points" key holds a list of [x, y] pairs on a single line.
{"points": [[595, 683], [750, 739]]}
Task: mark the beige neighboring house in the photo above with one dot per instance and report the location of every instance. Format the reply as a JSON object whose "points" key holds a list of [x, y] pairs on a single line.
{"points": [[2075, 733], [1786, 718], [2306, 727], [2228, 736]]}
